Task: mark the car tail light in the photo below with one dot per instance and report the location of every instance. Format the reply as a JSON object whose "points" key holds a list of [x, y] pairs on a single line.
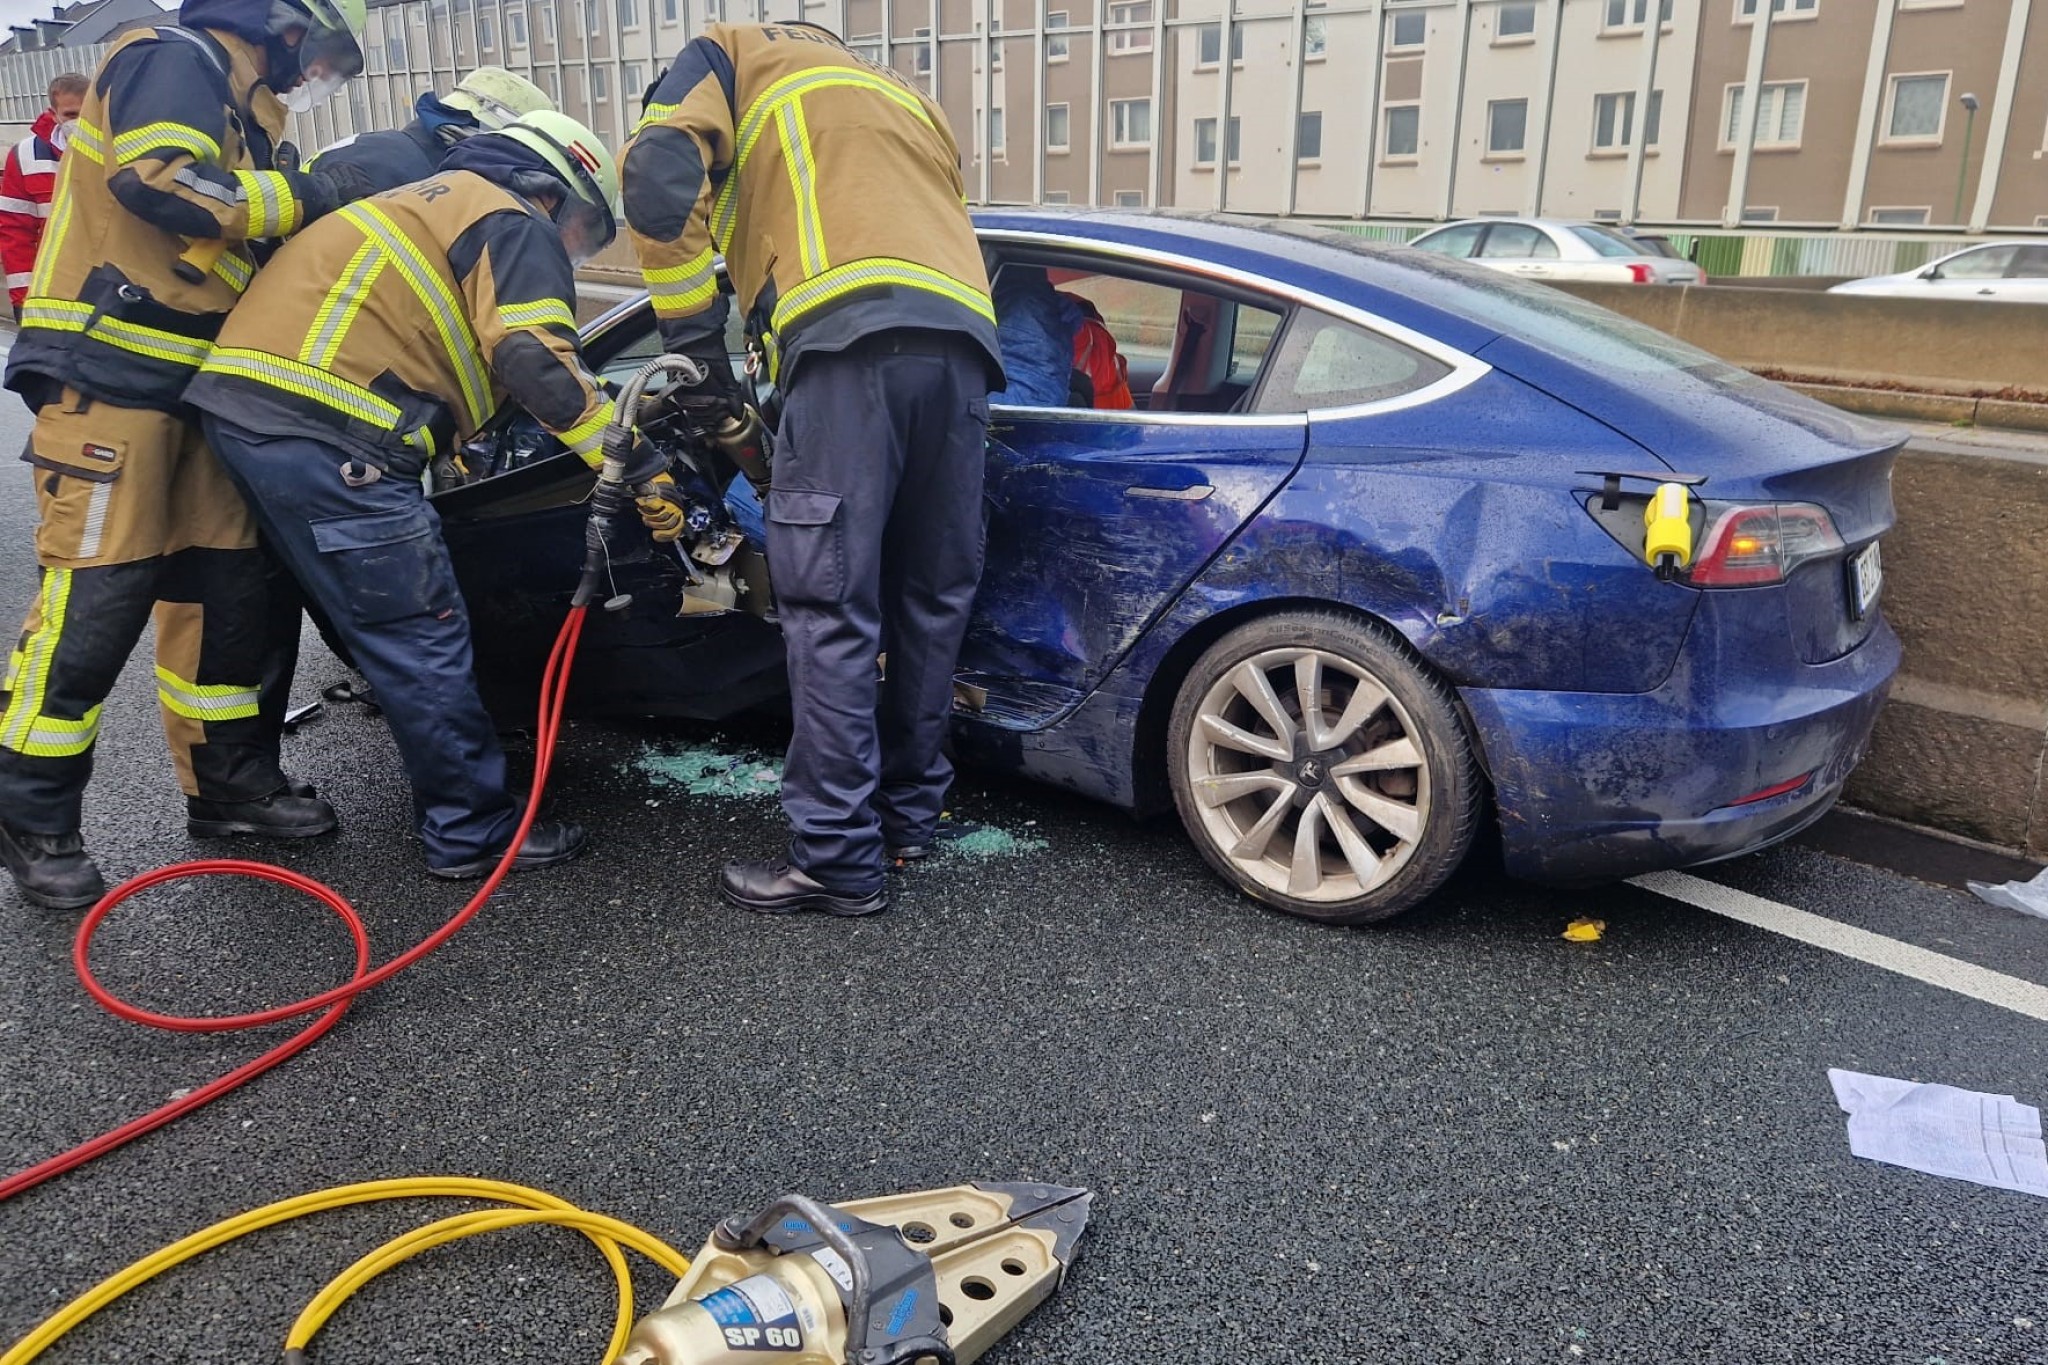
{"points": [[1639, 273], [1775, 789], [1747, 545]]}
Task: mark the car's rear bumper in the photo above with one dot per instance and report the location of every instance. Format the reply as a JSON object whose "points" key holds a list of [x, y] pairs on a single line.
{"points": [[1596, 786]]}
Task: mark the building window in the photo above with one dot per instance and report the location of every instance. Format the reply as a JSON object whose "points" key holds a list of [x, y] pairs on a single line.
{"points": [[1507, 126], [1515, 21], [1917, 108], [1315, 39], [1130, 199], [394, 52], [668, 11], [1899, 217], [1759, 215], [547, 22], [1633, 13], [1209, 45], [1781, 113], [995, 132], [995, 45], [1404, 130], [1411, 29], [593, 18], [921, 55], [1130, 123], [630, 83], [629, 13], [1745, 10], [515, 26], [1056, 127], [1131, 40], [600, 85], [1308, 137], [1614, 121], [1205, 141], [546, 81], [1055, 47], [1056, 197], [486, 33]]}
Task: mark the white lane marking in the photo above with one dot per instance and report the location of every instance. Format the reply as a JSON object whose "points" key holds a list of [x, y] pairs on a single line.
{"points": [[1931, 968]]}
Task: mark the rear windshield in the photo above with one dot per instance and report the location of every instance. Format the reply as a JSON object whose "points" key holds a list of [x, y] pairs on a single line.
{"points": [[1608, 243]]}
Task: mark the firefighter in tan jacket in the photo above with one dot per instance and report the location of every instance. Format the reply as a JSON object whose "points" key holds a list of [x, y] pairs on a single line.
{"points": [[379, 338], [168, 182], [833, 188]]}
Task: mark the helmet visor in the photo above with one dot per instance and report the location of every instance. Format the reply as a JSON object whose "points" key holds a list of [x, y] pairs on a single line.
{"points": [[586, 228]]}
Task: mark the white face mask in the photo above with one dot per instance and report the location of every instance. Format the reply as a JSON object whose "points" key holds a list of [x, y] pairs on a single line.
{"points": [[60, 136], [304, 97]]}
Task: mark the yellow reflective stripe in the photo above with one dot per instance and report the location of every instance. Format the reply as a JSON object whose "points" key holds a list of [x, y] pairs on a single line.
{"points": [[681, 289], [344, 301], [655, 113], [208, 701], [85, 141], [55, 737], [25, 703], [236, 270], [539, 313], [437, 296], [63, 315], [53, 238], [840, 281], [586, 438], [273, 211], [13, 671], [351, 400], [803, 187], [137, 143]]}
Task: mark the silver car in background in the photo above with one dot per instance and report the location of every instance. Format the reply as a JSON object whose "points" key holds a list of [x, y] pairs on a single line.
{"points": [[2016, 272], [1551, 249]]}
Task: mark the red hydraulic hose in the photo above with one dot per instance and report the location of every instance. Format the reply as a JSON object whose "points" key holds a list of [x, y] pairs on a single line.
{"points": [[554, 689]]}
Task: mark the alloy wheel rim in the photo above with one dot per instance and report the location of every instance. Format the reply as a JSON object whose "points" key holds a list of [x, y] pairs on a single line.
{"points": [[1308, 775]]}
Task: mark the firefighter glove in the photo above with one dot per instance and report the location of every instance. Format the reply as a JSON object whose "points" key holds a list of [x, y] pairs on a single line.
{"points": [[333, 185], [661, 508], [644, 465]]}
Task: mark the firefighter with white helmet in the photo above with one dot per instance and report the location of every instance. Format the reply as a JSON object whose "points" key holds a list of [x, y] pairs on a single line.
{"points": [[485, 101], [379, 338]]}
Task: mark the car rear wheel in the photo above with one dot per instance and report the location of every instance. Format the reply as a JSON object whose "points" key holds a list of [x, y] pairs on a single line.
{"points": [[1321, 769]]}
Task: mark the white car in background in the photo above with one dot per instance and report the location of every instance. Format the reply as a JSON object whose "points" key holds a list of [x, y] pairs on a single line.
{"points": [[2014, 271], [1549, 249]]}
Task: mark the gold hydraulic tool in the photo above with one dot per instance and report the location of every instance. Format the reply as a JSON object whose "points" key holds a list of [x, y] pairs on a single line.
{"points": [[936, 1276]]}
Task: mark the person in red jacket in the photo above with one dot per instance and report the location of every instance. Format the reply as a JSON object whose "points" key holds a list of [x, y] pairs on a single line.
{"points": [[31, 178]]}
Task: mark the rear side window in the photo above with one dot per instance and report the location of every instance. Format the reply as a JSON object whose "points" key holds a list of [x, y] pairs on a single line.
{"points": [[1452, 241], [1520, 242], [1325, 362], [1606, 243], [1989, 263], [2032, 264]]}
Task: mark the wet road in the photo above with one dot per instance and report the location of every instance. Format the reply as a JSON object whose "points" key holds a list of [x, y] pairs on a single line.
{"points": [[1456, 1138]]}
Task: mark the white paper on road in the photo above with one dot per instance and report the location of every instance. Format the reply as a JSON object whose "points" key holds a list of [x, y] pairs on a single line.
{"points": [[2028, 897], [1963, 1134]]}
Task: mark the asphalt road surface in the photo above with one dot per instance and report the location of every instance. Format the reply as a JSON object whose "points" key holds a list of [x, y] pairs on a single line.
{"points": [[1455, 1138]]}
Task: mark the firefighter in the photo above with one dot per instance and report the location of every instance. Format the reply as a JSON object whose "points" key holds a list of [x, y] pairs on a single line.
{"points": [[29, 179], [485, 100], [833, 189], [379, 337], [166, 183]]}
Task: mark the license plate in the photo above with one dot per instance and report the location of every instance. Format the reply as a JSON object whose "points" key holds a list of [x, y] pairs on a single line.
{"points": [[1866, 579]]}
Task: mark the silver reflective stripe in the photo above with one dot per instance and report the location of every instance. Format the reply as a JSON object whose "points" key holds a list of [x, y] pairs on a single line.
{"points": [[212, 189], [95, 520]]}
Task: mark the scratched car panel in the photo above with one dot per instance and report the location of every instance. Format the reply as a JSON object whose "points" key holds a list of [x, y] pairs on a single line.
{"points": [[1331, 425]]}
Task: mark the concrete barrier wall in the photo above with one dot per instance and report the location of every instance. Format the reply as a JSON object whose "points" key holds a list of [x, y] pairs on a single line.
{"points": [[1937, 346]]}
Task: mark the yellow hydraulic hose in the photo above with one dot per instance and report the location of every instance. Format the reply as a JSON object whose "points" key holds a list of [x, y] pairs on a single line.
{"points": [[533, 1206]]}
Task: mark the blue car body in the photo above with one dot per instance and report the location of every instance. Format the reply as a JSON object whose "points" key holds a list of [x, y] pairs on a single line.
{"points": [[1625, 723]]}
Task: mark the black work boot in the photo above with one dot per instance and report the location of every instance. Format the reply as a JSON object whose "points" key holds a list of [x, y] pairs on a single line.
{"points": [[777, 888], [52, 870], [547, 843], [280, 815]]}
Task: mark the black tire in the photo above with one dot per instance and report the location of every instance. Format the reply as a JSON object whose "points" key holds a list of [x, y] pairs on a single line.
{"points": [[1226, 795]]}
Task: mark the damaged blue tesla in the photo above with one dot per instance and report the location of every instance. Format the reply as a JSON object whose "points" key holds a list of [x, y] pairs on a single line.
{"points": [[1344, 562]]}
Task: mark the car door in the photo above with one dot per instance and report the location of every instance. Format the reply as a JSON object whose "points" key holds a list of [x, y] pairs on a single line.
{"points": [[1522, 249], [1975, 274], [1098, 518], [2026, 280]]}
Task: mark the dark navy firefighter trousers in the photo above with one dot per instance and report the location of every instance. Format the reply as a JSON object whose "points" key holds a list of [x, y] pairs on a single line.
{"points": [[874, 547], [373, 560]]}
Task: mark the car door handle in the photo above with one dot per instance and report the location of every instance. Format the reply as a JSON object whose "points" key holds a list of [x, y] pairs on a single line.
{"points": [[1189, 493], [1986, 291]]}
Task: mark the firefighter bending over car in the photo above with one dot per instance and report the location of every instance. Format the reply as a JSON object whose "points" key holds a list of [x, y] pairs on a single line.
{"points": [[167, 182], [378, 338], [833, 189], [486, 100]]}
